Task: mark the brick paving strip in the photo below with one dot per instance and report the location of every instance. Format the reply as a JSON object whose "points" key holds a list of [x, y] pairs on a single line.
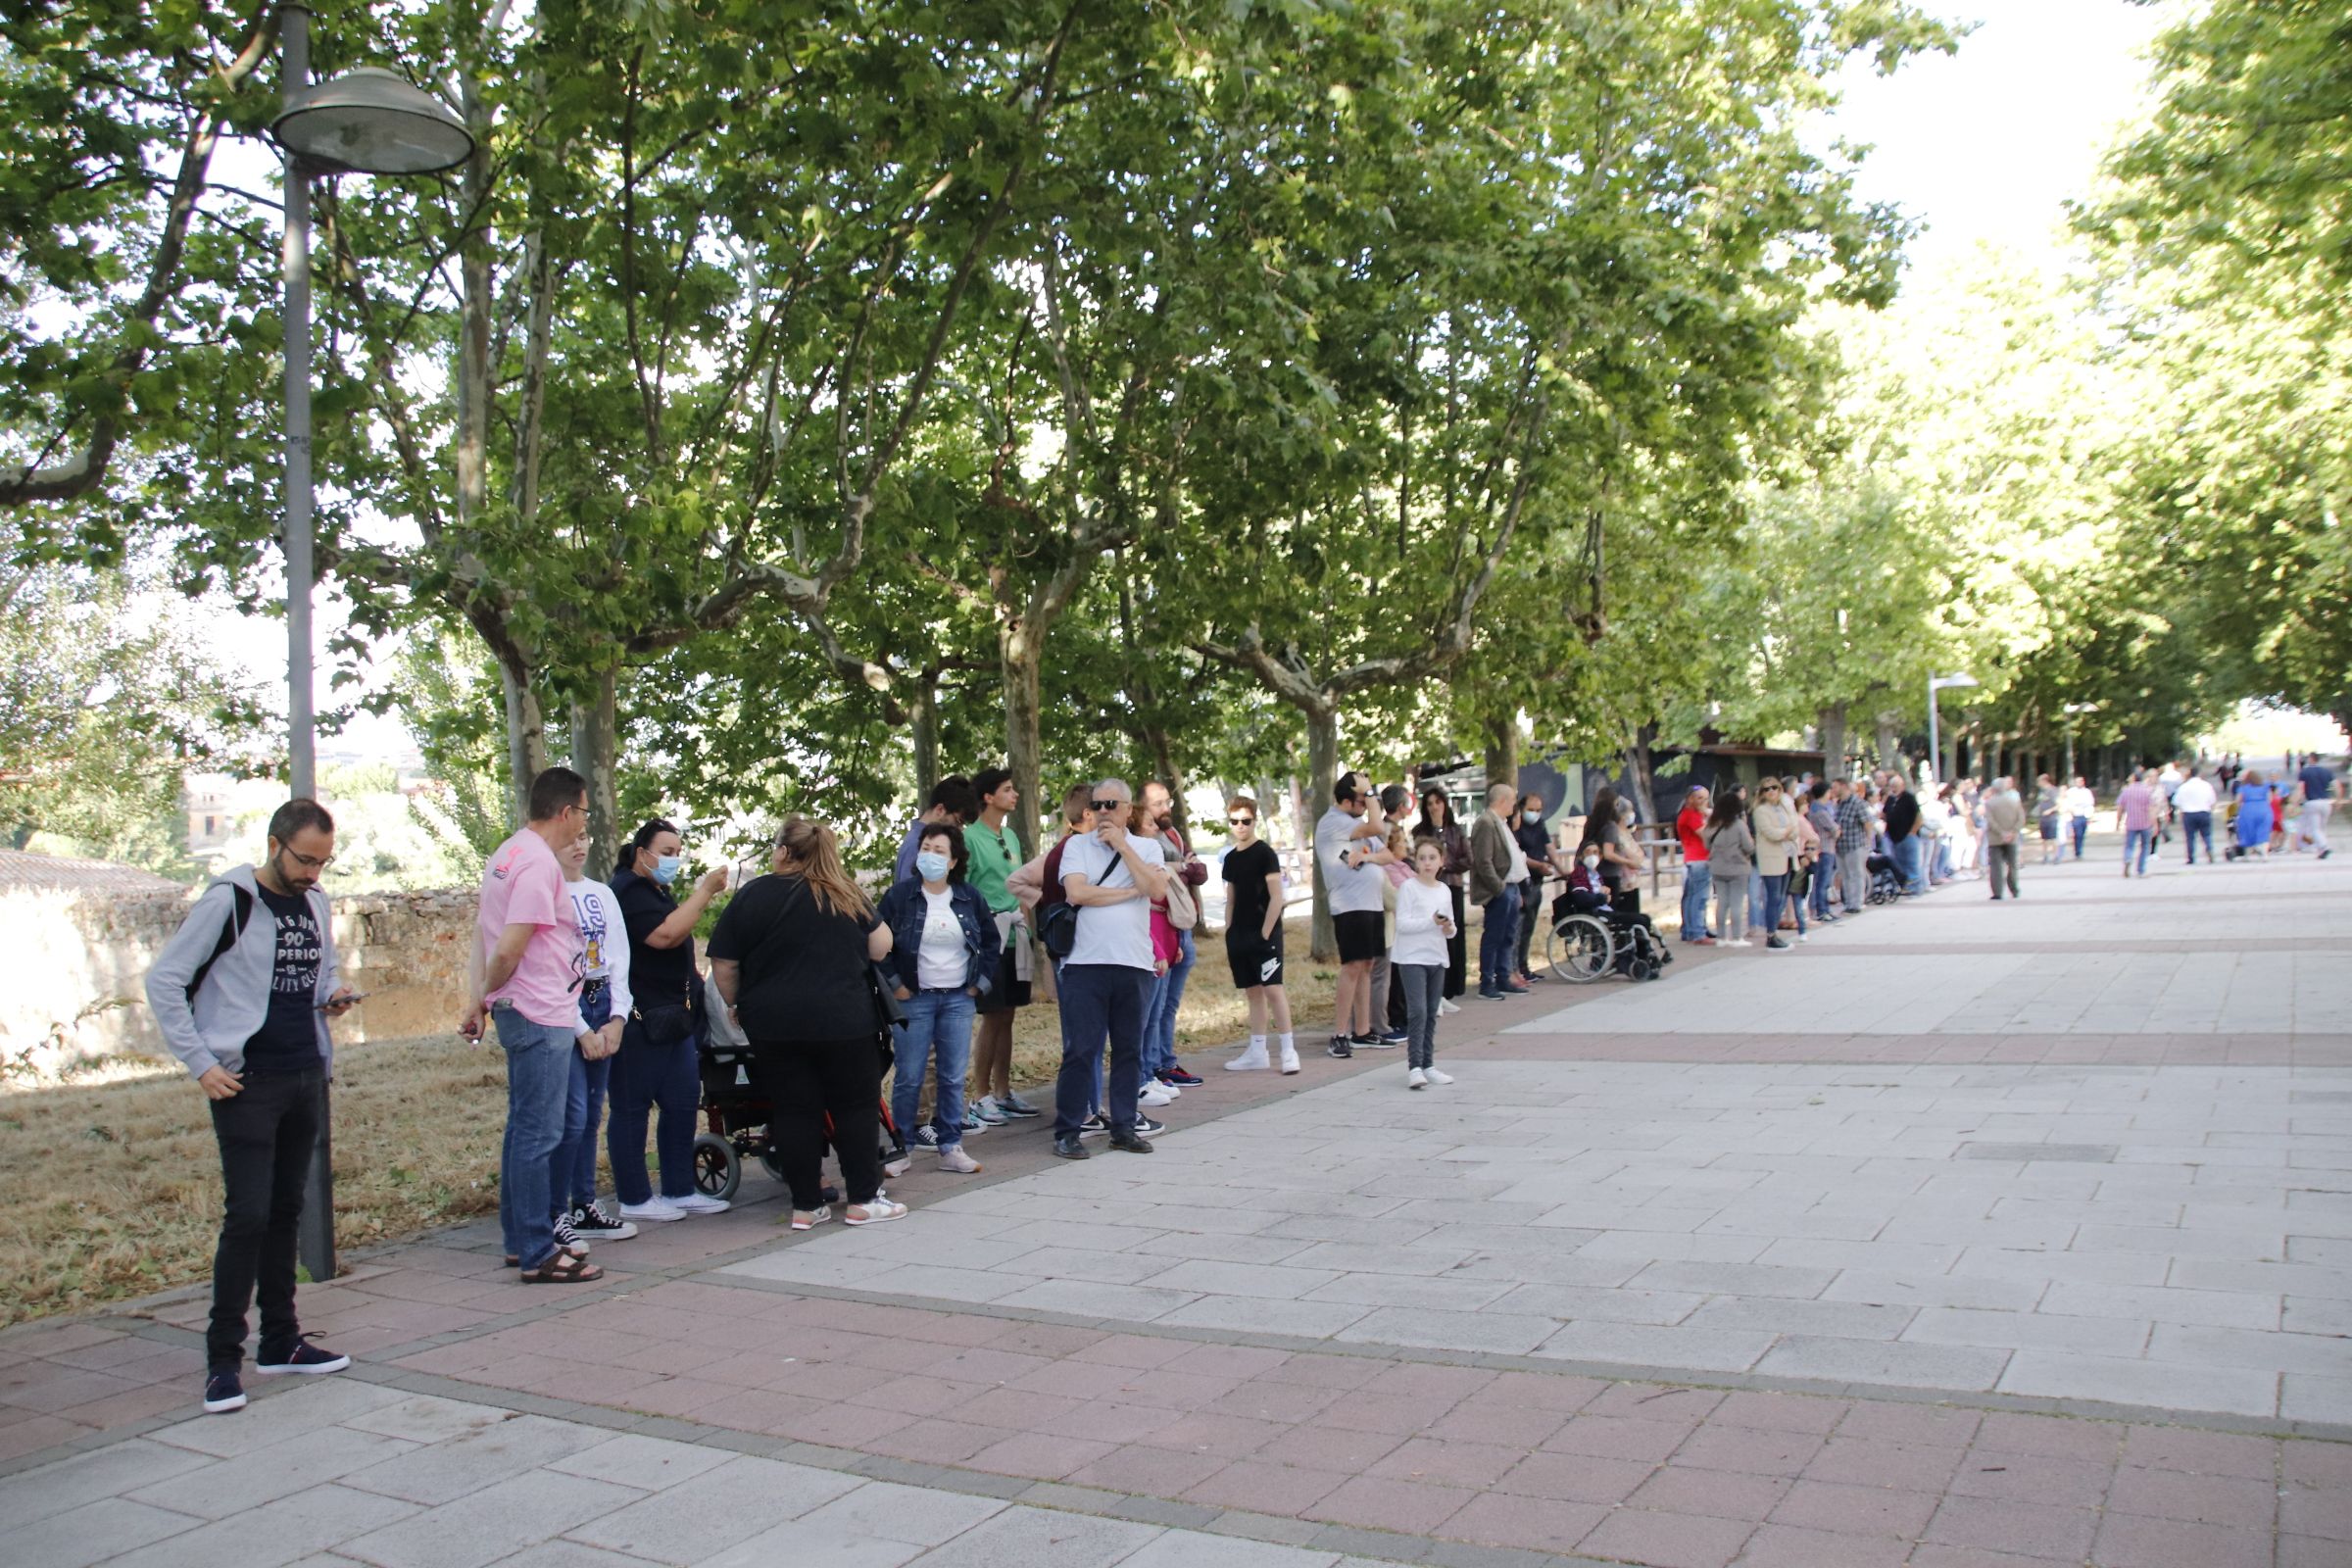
{"points": [[709, 1416]]}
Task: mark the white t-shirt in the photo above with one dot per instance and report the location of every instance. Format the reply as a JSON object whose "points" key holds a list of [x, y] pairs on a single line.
{"points": [[604, 940], [1511, 841], [2195, 795], [940, 964], [1418, 939], [2079, 802], [1353, 891], [1112, 933]]}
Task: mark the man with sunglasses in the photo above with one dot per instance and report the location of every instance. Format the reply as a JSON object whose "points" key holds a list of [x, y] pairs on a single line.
{"points": [[243, 992], [1112, 876]]}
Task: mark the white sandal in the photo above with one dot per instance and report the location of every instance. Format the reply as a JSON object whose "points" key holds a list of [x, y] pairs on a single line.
{"points": [[810, 1219], [874, 1213]]}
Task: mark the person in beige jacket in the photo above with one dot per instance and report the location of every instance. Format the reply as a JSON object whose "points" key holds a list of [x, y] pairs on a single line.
{"points": [[1775, 824], [2004, 822]]}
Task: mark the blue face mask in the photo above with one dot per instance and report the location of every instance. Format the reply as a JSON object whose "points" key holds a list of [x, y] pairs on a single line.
{"points": [[931, 866], [666, 868]]}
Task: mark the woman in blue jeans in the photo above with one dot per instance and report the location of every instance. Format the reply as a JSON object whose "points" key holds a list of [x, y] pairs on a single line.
{"points": [[657, 1071], [944, 954]]}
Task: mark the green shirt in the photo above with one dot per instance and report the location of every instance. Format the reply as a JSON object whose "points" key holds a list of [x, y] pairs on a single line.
{"points": [[993, 850]]}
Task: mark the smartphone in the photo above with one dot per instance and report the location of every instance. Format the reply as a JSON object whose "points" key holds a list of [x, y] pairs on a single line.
{"points": [[338, 1001]]}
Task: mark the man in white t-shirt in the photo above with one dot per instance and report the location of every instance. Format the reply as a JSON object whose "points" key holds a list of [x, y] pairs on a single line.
{"points": [[1111, 876], [2194, 799], [1345, 840]]}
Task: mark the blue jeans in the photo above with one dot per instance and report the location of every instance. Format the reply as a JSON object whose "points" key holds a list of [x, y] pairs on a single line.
{"points": [[1775, 899], [1825, 877], [1697, 879], [1498, 938], [1755, 901], [1424, 988], [647, 1077], [938, 1026], [2080, 825], [538, 1074], [1100, 1003], [1907, 865], [571, 1171], [2195, 825], [1941, 867], [2137, 842], [1159, 1018]]}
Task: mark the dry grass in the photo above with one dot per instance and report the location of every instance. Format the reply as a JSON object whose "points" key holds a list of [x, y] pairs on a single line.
{"points": [[116, 1180]]}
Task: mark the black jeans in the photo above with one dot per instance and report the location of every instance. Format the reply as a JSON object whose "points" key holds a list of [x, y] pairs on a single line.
{"points": [[809, 1083], [1457, 949], [268, 1131]]}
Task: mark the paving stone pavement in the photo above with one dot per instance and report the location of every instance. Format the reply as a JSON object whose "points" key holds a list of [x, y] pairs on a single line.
{"points": [[2064, 1279]]}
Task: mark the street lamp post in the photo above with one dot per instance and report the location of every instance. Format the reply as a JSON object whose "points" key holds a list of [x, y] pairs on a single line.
{"points": [[1937, 684], [368, 121]]}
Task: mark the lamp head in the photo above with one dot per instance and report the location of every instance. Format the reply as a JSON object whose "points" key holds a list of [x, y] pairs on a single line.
{"points": [[369, 121]]}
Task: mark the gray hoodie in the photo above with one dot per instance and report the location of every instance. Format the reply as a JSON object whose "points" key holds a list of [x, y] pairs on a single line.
{"points": [[234, 1000]]}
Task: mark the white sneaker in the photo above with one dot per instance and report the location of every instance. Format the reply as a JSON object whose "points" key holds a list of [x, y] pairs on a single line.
{"points": [[1448, 1005], [1416, 1079], [1252, 1060], [956, 1161], [656, 1210], [1804, 936], [697, 1203], [1290, 1059], [1436, 1077], [1154, 1095], [1737, 942]]}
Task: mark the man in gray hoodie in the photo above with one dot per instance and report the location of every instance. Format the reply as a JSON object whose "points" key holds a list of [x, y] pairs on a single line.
{"points": [[243, 992]]}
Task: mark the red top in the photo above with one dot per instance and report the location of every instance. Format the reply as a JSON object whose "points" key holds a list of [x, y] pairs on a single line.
{"points": [[1688, 827]]}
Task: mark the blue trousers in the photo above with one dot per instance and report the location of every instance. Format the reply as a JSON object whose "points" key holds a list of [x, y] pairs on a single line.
{"points": [[2080, 825], [571, 1171], [1907, 862], [1697, 878], [538, 1074], [938, 1026], [2195, 825], [1167, 995], [646, 1078], [1775, 899], [1101, 1003], [1498, 938], [2137, 842], [1825, 877]]}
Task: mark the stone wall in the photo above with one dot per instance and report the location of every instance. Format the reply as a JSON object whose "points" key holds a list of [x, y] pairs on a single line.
{"points": [[75, 961]]}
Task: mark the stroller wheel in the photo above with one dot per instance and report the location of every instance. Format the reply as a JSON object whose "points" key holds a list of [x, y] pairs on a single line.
{"points": [[770, 1162], [718, 1172]]}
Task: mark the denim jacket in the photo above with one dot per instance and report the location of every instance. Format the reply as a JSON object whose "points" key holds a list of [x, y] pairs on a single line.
{"points": [[903, 910]]}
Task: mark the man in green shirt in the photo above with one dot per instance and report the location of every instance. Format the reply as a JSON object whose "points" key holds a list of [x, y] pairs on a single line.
{"points": [[995, 853]]}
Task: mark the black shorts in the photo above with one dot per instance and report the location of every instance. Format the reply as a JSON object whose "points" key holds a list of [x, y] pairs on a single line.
{"points": [[1363, 935], [1008, 993], [1256, 960]]}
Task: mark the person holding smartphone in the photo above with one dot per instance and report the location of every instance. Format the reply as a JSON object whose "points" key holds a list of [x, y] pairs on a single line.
{"points": [[243, 992]]}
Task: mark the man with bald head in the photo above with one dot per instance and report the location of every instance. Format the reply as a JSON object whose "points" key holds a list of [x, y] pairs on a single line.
{"points": [[1111, 876]]}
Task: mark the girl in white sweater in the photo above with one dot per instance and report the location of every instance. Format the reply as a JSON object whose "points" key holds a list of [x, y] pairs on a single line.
{"points": [[1424, 922]]}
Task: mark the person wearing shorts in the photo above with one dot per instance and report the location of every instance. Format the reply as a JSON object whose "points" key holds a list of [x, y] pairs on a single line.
{"points": [[1254, 908], [1358, 906]]}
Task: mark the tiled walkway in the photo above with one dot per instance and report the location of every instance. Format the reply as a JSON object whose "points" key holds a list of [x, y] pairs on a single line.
{"points": [[1648, 1294]]}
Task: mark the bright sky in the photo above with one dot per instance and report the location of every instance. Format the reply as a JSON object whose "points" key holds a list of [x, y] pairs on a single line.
{"points": [[1987, 144]]}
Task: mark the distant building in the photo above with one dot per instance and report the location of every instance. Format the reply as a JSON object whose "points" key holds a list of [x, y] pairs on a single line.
{"points": [[22, 871], [220, 807]]}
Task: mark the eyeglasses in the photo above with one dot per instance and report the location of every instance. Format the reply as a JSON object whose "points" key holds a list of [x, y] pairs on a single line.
{"points": [[1242, 821], [310, 864], [1108, 806]]}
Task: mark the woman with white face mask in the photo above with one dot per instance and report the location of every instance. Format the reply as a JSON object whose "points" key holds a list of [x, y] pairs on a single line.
{"points": [[656, 1063]]}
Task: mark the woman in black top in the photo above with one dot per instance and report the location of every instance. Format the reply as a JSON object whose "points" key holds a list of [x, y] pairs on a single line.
{"points": [[657, 1068], [1436, 822], [792, 957]]}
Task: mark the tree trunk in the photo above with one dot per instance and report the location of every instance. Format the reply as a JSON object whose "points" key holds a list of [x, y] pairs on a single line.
{"points": [[1503, 750], [526, 740], [1638, 773], [1162, 746], [1888, 738], [1020, 655], [596, 752], [1323, 771], [924, 722], [1831, 726], [1303, 820]]}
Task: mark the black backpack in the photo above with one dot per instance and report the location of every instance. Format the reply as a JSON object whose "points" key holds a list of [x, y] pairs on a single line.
{"points": [[239, 912]]}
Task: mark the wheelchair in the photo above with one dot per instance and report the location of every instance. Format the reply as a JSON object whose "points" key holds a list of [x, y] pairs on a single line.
{"points": [[1590, 938]]}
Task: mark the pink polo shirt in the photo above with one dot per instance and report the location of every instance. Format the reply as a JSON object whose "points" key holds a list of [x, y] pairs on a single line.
{"points": [[2136, 803], [523, 884]]}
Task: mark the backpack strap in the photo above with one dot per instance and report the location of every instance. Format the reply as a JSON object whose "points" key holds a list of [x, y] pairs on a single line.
{"points": [[240, 911]]}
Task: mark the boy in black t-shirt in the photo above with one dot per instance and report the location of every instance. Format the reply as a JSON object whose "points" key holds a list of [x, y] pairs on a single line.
{"points": [[1253, 908]]}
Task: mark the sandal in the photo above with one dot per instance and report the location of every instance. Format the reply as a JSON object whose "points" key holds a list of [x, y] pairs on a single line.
{"points": [[873, 1213], [808, 1219], [577, 1250], [562, 1268]]}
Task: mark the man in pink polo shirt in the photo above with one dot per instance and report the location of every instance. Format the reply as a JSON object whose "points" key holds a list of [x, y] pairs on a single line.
{"points": [[2135, 815], [525, 975]]}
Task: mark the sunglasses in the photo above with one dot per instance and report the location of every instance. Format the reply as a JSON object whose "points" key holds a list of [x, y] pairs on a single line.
{"points": [[1108, 806], [1242, 821]]}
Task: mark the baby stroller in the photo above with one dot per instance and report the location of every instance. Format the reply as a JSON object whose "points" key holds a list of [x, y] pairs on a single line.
{"points": [[1885, 882], [1591, 938], [738, 1113]]}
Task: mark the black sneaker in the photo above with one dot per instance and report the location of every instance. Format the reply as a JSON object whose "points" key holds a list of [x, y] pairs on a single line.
{"points": [[304, 1358], [1067, 1146], [926, 1139], [1179, 1077], [1366, 1042], [1146, 1127], [1339, 1047], [1094, 1126], [569, 1237], [224, 1391], [1776, 940], [592, 1221]]}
